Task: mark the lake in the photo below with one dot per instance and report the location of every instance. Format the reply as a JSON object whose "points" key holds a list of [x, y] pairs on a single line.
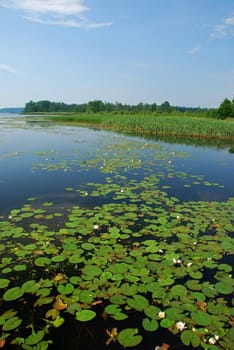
{"points": [[111, 240]]}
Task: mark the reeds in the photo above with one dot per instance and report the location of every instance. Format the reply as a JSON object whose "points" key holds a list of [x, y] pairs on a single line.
{"points": [[178, 126]]}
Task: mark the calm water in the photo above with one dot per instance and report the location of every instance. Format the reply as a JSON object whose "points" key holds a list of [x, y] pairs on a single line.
{"points": [[41, 160]]}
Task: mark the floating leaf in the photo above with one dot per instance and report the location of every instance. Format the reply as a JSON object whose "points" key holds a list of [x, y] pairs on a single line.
{"points": [[190, 338], [224, 287], [65, 288], [129, 337], [92, 270], [4, 282], [201, 318], [150, 325], [138, 302], [35, 337], [13, 294], [42, 261], [11, 324], [59, 304], [85, 315], [30, 286], [20, 267]]}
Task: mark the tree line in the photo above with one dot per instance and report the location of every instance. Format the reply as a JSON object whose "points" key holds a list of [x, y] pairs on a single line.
{"points": [[225, 110]]}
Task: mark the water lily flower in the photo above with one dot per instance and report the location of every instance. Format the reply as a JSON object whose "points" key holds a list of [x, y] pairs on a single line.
{"points": [[212, 340], [180, 326], [161, 251], [189, 264], [209, 259], [9, 217], [161, 314], [178, 217], [96, 227], [177, 261]]}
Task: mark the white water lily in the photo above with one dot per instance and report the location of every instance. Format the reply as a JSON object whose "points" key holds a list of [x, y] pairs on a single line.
{"points": [[177, 261], [212, 340], [161, 314], [180, 326], [96, 227], [189, 264]]}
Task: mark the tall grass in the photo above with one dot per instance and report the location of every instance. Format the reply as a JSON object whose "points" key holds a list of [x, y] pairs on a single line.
{"points": [[179, 126]]}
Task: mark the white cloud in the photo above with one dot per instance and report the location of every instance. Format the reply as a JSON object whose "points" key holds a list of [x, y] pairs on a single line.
{"points": [[69, 13], [225, 29], [194, 50], [7, 68]]}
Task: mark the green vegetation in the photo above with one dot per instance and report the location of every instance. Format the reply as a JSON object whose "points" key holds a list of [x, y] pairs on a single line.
{"points": [[179, 126], [151, 119]]}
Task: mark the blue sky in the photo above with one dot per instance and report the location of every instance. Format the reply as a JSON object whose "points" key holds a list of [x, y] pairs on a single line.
{"points": [[129, 51]]}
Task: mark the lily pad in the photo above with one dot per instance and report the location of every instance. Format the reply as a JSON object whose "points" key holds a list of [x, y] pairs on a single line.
{"points": [[4, 282], [13, 294], [224, 287], [150, 325], [11, 324], [190, 338], [201, 318], [129, 337], [85, 315]]}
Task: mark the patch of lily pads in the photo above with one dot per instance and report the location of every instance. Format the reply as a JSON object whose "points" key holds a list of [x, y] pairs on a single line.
{"points": [[138, 251]]}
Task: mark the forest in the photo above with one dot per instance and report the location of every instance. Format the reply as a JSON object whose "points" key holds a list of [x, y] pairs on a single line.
{"points": [[225, 110]]}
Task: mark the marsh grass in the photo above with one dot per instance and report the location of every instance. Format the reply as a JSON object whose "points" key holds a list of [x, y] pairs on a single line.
{"points": [[178, 126]]}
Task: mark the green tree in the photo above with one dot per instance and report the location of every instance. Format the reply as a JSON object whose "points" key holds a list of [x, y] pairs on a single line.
{"points": [[165, 107], [96, 106], [225, 109]]}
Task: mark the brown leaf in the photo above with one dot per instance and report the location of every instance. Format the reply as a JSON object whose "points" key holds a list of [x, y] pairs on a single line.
{"points": [[59, 304]]}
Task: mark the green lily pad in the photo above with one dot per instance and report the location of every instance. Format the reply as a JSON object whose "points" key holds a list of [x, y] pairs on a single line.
{"points": [[178, 291], [190, 338], [138, 302], [35, 338], [11, 324], [92, 270], [13, 294], [20, 267], [42, 261], [65, 288], [112, 309], [166, 323], [224, 287], [129, 337], [4, 282], [85, 315], [87, 297], [201, 318], [150, 325], [30, 286]]}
